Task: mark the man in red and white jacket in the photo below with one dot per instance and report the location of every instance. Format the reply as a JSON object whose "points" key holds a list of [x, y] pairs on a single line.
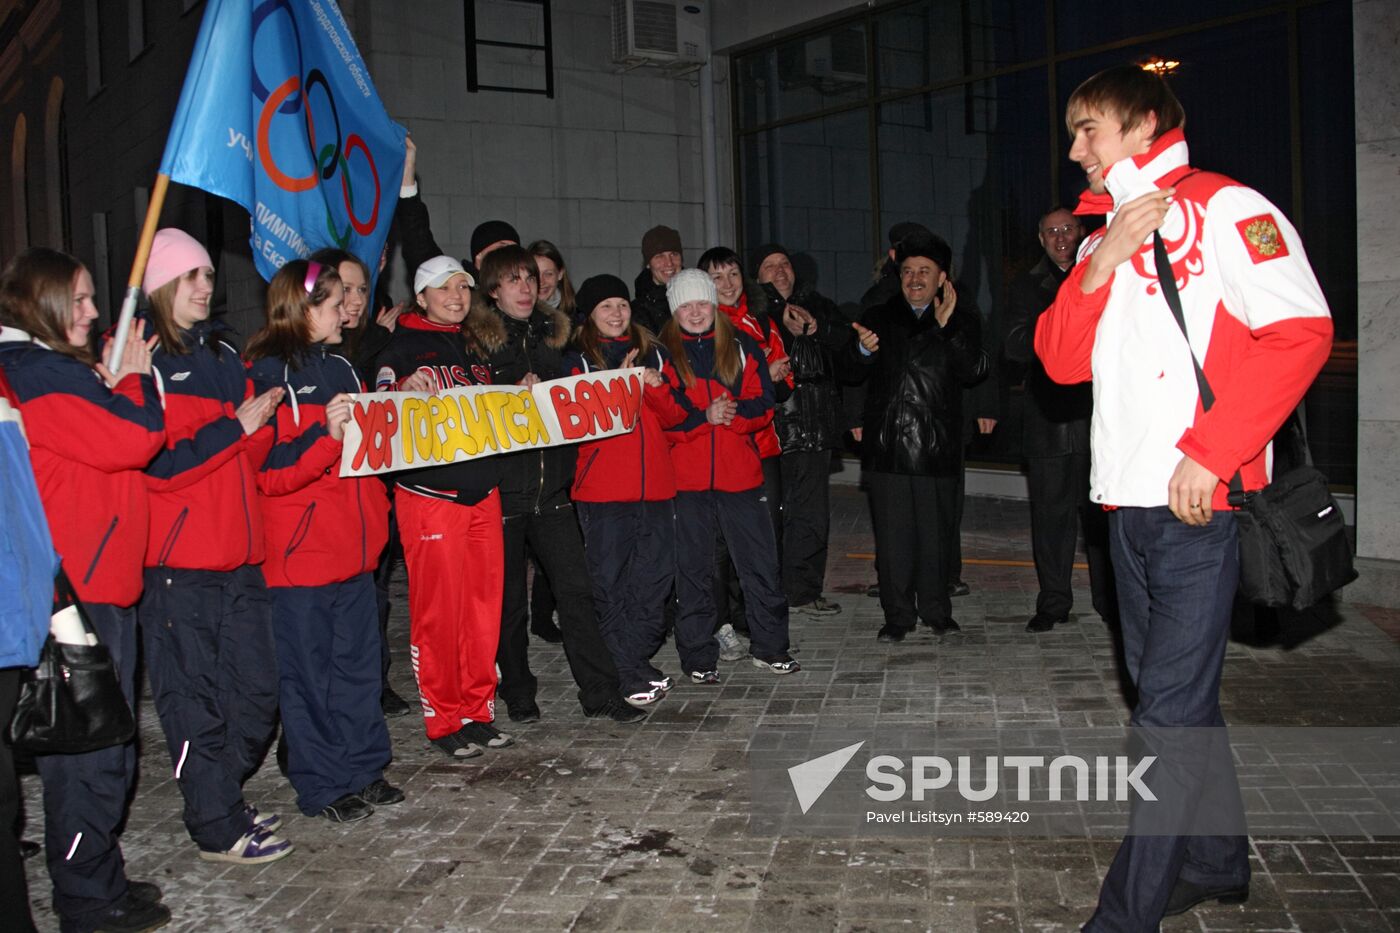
{"points": [[1260, 327]]}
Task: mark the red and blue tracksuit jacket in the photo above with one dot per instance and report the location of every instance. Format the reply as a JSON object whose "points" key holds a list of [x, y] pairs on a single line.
{"points": [[88, 445], [205, 513], [721, 457], [764, 331], [319, 528], [632, 467]]}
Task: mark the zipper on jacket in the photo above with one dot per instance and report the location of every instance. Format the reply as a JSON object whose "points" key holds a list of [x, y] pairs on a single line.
{"points": [[243, 481], [299, 533], [586, 467], [364, 531], [172, 536], [92, 568], [710, 391]]}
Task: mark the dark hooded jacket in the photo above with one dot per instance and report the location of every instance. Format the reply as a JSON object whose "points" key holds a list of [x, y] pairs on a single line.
{"points": [[649, 306], [913, 404], [531, 480]]}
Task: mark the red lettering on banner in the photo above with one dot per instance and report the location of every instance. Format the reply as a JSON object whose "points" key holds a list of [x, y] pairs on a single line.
{"points": [[376, 421], [573, 417], [619, 397]]}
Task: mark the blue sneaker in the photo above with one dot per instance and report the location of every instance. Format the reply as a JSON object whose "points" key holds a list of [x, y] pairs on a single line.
{"points": [[253, 849], [263, 824]]}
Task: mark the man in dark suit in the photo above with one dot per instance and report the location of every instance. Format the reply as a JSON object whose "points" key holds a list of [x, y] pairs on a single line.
{"points": [[1056, 441]]}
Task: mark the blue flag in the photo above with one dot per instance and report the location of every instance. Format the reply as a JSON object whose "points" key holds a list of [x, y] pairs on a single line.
{"points": [[279, 114]]}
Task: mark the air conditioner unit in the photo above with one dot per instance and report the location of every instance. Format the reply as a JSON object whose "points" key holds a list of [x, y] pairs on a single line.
{"points": [[669, 33], [838, 56]]}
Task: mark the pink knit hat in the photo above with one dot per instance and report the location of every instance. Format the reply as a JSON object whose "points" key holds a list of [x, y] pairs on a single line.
{"points": [[173, 253]]}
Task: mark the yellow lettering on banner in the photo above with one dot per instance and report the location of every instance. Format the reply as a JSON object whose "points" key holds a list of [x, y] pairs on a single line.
{"points": [[539, 434], [492, 407], [417, 430], [476, 421], [519, 404]]}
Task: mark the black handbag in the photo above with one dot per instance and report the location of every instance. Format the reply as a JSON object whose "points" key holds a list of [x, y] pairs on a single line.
{"points": [[72, 702], [1293, 542]]}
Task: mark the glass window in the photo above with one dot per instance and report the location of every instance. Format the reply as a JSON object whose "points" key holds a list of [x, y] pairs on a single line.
{"points": [[1328, 215], [803, 76], [807, 186], [1236, 125], [1082, 24], [970, 163], [930, 42]]}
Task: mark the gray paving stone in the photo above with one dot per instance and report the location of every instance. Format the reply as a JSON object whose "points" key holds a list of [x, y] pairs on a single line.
{"points": [[587, 825]]}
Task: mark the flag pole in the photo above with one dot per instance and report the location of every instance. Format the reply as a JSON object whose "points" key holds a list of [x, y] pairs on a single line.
{"points": [[138, 267]]}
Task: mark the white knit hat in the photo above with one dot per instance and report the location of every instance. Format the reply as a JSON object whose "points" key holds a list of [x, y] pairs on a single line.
{"points": [[690, 285]]}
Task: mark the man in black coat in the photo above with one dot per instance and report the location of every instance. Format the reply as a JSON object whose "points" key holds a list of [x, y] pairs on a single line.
{"points": [[921, 350], [1056, 441], [808, 422]]}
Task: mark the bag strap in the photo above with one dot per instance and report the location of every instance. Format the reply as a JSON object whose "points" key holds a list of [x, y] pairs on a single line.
{"points": [[1166, 278], [64, 591]]}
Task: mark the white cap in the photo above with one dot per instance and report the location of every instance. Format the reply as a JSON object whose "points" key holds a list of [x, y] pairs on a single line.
{"points": [[690, 285], [436, 271]]}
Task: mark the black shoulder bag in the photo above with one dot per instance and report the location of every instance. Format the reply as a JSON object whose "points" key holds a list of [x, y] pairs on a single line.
{"points": [[1293, 543], [72, 702]]}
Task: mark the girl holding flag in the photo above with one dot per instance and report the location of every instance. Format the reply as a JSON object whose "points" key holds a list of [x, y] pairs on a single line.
{"points": [[323, 535]]}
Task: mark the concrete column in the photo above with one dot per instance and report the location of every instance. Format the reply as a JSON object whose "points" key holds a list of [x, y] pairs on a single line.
{"points": [[1376, 37]]}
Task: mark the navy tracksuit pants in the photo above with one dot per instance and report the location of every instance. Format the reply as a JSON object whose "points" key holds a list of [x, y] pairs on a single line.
{"points": [[85, 796], [631, 552], [743, 519], [212, 665], [328, 671]]}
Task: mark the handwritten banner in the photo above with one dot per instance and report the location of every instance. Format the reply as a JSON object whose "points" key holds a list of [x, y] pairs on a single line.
{"points": [[391, 431]]}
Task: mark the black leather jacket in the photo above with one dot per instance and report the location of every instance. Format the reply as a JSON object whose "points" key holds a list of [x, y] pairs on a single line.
{"points": [[1057, 417], [913, 404], [809, 419]]}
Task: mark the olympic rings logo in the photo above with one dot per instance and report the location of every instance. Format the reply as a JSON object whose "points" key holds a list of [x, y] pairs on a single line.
{"points": [[329, 158]]}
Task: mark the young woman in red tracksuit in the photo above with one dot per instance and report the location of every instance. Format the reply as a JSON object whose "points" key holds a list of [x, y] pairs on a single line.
{"points": [[728, 397], [91, 431], [450, 521], [746, 307], [323, 536], [624, 490], [205, 614]]}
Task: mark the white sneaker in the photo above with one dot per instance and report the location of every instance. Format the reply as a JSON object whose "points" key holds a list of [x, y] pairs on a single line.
{"points": [[731, 647]]}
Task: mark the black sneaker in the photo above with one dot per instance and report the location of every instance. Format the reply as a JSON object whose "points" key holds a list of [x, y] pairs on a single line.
{"points": [[958, 588], [890, 634], [453, 747], [617, 710], [782, 664], [392, 704], [948, 626], [128, 915], [144, 891], [1040, 623], [483, 734], [348, 809], [523, 712], [380, 793]]}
